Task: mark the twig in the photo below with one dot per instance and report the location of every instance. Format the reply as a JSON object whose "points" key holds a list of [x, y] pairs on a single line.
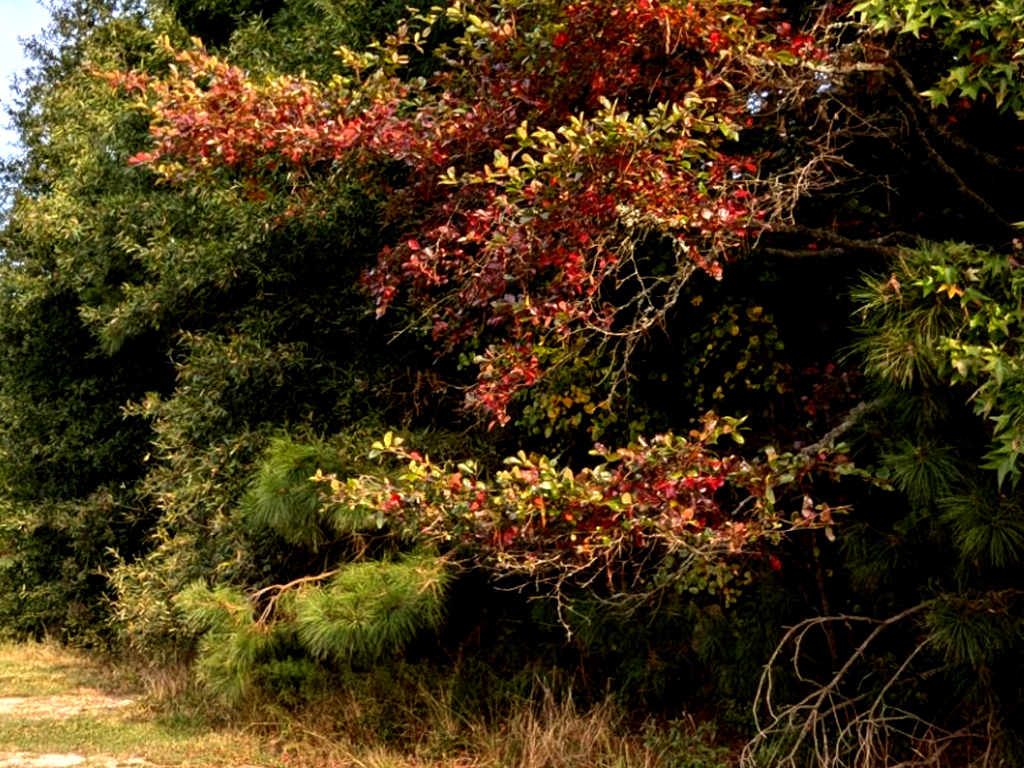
{"points": [[910, 111], [999, 163], [812, 704], [852, 418], [281, 589]]}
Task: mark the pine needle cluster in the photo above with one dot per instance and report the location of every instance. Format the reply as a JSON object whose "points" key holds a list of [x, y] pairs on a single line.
{"points": [[358, 612], [372, 609], [987, 528], [232, 645], [282, 497]]}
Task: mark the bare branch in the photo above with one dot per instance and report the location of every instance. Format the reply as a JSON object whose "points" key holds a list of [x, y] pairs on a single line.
{"points": [[877, 245], [996, 162], [829, 440], [832, 720], [911, 112], [805, 253], [280, 589]]}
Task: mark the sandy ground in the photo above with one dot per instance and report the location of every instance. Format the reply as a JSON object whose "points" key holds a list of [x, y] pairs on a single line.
{"points": [[64, 705], [26, 760]]}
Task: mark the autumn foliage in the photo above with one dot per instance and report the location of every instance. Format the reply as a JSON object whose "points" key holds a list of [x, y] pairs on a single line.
{"points": [[606, 526], [562, 175]]}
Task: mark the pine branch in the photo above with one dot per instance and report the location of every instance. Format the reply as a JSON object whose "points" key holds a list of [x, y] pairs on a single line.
{"points": [[282, 589]]}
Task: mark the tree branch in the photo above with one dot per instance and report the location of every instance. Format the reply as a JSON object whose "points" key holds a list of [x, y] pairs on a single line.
{"points": [[828, 441], [805, 718], [996, 162], [877, 245], [910, 111], [281, 589], [805, 253]]}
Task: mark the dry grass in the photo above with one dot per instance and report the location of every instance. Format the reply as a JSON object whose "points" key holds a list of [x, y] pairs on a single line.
{"points": [[170, 724], [35, 669], [557, 735], [549, 734]]}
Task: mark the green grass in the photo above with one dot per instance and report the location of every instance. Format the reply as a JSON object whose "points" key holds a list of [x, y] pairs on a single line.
{"points": [[126, 737]]}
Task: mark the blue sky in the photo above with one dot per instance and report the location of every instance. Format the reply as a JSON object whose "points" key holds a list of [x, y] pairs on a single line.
{"points": [[18, 18]]}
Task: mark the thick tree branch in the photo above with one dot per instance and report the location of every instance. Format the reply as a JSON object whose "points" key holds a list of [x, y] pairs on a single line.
{"points": [[805, 253]]}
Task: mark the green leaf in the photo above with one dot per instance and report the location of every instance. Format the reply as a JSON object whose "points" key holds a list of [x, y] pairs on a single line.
{"points": [[970, 90], [937, 97]]}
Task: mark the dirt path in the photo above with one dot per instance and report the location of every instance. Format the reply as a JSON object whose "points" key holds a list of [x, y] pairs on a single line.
{"points": [[61, 710], [61, 706], [27, 760], [55, 709]]}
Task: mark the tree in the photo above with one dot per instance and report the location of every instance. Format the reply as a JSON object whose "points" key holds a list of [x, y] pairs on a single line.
{"points": [[69, 460]]}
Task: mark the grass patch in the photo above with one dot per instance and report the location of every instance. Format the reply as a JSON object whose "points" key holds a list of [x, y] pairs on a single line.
{"points": [[64, 703], [46, 669], [544, 732]]}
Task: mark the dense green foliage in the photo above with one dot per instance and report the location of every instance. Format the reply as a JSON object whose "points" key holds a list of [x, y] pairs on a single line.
{"points": [[276, 302]]}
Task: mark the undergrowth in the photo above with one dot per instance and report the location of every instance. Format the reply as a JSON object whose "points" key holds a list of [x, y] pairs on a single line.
{"points": [[400, 716]]}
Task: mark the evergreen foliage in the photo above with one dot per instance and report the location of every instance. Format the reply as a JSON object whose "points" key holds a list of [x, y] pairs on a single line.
{"points": [[283, 496], [369, 611], [950, 314], [365, 613], [987, 528], [70, 462], [232, 643], [947, 553]]}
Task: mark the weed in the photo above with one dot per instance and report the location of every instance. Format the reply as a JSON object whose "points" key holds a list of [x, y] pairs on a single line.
{"points": [[685, 743]]}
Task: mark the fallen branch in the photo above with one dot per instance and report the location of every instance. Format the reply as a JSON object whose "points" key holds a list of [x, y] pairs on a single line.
{"points": [[834, 721]]}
